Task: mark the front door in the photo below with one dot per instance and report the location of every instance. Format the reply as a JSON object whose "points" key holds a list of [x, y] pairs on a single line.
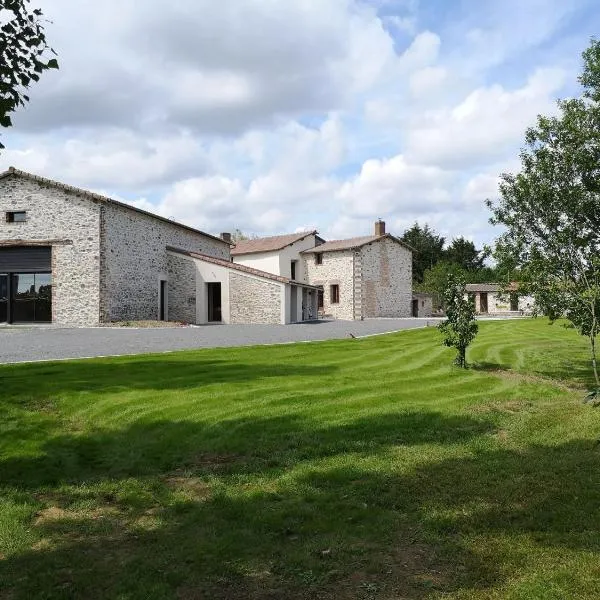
{"points": [[163, 301], [3, 298], [214, 302], [415, 308], [483, 302]]}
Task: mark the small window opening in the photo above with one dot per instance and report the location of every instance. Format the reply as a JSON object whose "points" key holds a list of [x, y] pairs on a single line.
{"points": [[19, 216], [319, 258], [334, 293], [293, 270]]}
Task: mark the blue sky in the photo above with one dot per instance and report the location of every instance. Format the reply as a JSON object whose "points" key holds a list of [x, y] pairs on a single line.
{"points": [[272, 116]]}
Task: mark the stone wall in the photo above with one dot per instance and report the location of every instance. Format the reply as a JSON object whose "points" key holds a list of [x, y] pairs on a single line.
{"points": [[425, 305], [387, 279], [336, 268], [254, 300], [134, 260], [181, 289], [73, 222]]}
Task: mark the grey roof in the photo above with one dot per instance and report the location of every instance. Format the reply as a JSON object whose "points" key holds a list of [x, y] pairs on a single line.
{"points": [[100, 198], [351, 243], [269, 244]]}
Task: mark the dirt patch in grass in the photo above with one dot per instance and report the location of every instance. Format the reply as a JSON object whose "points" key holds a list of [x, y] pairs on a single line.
{"points": [[212, 461], [193, 487], [518, 376], [53, 513], [505, 406]]}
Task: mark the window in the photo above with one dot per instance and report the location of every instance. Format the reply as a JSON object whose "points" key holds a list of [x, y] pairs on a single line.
{"points": [[293, 270], [19, 216], [334, 294], [318, 258]]}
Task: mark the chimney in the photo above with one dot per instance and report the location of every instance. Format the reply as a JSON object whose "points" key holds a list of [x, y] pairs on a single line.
{"points": [[379, 228], [226, 237]]}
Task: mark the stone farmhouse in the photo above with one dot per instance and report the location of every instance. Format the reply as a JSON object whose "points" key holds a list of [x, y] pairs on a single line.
{"points": [[358, 278], [491, 300], [73, 257]]}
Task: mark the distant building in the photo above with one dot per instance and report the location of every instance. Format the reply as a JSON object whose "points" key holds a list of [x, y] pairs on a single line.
{"points": [[491, 299], [422, 304]]}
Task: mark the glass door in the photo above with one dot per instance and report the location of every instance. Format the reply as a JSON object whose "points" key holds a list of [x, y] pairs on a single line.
{"points": [[31, 295], [3, 298]]}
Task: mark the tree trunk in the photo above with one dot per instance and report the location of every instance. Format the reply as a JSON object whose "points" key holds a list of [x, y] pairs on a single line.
{"points": [[594, 364]]}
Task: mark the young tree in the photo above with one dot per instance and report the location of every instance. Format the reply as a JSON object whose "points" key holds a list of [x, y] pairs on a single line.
{"points": [[551, 210], [460, 327], [435, 280], [24, 55], [428, 246]]}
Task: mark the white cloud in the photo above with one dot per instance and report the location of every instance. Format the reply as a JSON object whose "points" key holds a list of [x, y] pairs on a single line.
{"points": [[269, 116], [488, 124], [384, 187]]}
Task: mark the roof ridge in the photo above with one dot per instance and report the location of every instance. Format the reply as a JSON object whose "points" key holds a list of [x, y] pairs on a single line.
{"points": [[100, 197]]}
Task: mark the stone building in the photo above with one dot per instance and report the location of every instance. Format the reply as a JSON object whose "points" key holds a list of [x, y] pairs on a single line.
{"points": [[235, 293], [490, 299], [362, 277], [422, 305], [73, 257], [281, 255], [357, 278]]}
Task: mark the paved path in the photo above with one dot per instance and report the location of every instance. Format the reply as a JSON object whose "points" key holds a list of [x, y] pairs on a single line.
{"points": [[22, 344]]}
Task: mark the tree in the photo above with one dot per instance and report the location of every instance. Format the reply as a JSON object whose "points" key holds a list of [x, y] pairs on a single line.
{"points": [[551, 210], [24, 55], [460, 327], [428, 246], [435, 280], [463, 252], [239, 236]]}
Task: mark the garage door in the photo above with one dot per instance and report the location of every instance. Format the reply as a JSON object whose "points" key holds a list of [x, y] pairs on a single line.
{"points": [[25, 259]]}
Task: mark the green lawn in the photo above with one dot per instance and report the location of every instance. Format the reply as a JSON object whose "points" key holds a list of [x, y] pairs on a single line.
{"points": [[347, 469]]}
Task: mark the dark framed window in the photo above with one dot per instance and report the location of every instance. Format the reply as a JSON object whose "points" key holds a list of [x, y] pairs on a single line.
{"points": [[319, 258], [18, 216], [31, 297], [293, 270], [334, 294]]}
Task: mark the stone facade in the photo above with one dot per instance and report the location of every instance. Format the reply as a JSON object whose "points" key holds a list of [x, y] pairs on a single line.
{"points": [[498, 303], [374, 280], [72, 223], [386, 279], [107, 259], [181, 289], [134, 260], [337, 268], [254, 300], [424, 305]]}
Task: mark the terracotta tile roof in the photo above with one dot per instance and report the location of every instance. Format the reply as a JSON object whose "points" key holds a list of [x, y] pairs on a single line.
{"points": [[352, 243], [268, 244], [489, 287], [100, 198], [237, 267]]}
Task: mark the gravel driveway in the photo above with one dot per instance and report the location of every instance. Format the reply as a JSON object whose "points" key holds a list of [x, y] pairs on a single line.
{"points": [[22, 344]]}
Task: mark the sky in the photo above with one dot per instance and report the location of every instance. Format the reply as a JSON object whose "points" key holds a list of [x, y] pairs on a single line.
{"points": [[276, 116]]}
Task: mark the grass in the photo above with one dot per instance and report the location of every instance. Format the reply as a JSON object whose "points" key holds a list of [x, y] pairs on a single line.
{"points": [[349, 469]]}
